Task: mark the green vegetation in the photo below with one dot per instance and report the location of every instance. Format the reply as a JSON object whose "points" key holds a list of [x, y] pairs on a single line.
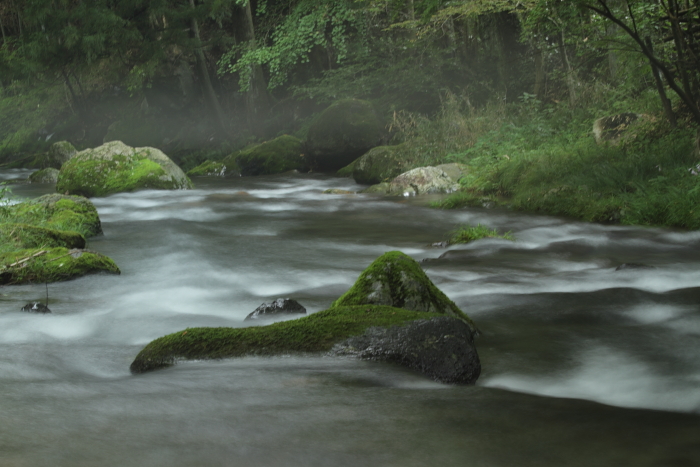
{"points": [[57, 212], [315, 333], [271, 157], [209, 169], [467, 234], [51, 265], [24, 236]]}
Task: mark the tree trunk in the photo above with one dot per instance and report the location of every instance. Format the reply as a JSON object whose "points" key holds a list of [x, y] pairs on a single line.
{"points": [[540, 75], [257, 99], [208, 88], [665, 102], [4, 37], [568, 69]]}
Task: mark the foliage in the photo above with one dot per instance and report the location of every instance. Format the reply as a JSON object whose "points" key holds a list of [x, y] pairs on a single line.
{"points": [[467, 234]]}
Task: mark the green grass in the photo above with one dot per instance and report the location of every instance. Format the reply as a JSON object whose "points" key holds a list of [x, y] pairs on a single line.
{"points": [[466, 234]]}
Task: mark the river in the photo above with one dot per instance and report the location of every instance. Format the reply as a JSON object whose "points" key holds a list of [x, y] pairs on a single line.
{"points": [[583, 365]]}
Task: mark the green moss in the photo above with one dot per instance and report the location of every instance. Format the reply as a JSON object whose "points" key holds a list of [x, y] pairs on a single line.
{"points": [[24, 236], [271, 157], [346, 172], [467, 233], [314, 333], [395, 279], [56, 264], [48, 175], [383, 163], [58, 212], [211, 169]]}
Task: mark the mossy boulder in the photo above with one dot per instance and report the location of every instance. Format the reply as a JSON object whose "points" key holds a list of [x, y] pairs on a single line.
{"points": [[354, 325], [49, 175], [51, 265], [58, 212], [115, 167], [215, 169], [314, 333], [382, 164], [61, 152], [342, 133], [271, 157], [25, 236], [397, 280]]}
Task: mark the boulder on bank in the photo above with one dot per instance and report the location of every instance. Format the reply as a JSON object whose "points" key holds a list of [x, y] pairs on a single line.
{"points": [[612, 128], [342, 133], [115, 167], [279, 155], [280, 307], [61, 152], [60, 212], [382, 163], [441, 349], [51, 265], [48, 175], [215, 169], [419, 181]]}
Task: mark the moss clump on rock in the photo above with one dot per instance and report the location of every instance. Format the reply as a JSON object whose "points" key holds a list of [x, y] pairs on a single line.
{"points": [[395, 279], [61, 152], [314, 333], [382, 164], [59, 212], [48, 175], [271, 157], [115, 167], [51, 265], [342, 133], [24, 236], [215, 169]]}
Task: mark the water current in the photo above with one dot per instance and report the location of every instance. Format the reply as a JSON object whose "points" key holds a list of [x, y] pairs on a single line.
{"points": [[583, 365]]}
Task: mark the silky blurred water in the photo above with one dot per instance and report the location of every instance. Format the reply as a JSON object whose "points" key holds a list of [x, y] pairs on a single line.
{"points": [[582, 364]]}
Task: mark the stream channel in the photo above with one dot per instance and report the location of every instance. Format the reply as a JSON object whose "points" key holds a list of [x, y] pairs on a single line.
{"points": [[583, 365]]}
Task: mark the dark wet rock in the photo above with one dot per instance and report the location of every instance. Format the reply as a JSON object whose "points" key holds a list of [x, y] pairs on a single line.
{"points": [[36, 307], [280, 307], [633, 266], [442, 348], [444, 244], [381, 164], [276, 156], [342, 133]]}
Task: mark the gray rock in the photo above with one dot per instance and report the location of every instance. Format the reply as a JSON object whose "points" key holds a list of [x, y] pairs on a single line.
{"points": [[280, 307], [62, 152], [48, 175], [442, 348], [421, 181]]}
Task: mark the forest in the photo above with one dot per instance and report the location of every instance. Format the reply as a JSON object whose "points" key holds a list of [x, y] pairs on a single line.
{"points": [[510, 89]]}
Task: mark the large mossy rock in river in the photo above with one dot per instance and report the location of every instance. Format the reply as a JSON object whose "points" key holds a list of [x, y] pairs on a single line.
{"points": [[271, 157], [115, 167], [419, 181], [443, 350], [383, 163], [58, 212], [342, 133], [51, 265], [395, 279]]}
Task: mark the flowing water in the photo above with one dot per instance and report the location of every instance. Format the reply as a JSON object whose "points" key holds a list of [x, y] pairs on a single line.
{"points": [[583, 365]]}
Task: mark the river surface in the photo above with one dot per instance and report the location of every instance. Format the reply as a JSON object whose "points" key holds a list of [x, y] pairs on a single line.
{"points": [[583, 365]]}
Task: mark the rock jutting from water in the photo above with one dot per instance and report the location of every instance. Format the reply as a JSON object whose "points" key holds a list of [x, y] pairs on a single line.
{"points": [[419, 181], [280, 307], [388, 315], [115, 167], [36, 307]]}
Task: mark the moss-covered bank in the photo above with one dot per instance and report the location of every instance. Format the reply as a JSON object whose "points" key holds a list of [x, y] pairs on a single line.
{"points": [[315, 333]]}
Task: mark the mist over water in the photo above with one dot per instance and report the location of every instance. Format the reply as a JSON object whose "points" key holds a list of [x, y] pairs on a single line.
{"points": [[574, 353]]}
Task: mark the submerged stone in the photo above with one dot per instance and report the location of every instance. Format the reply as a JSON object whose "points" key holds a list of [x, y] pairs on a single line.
{"points": [[280, 307], [115, 167], [35, 307]]}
